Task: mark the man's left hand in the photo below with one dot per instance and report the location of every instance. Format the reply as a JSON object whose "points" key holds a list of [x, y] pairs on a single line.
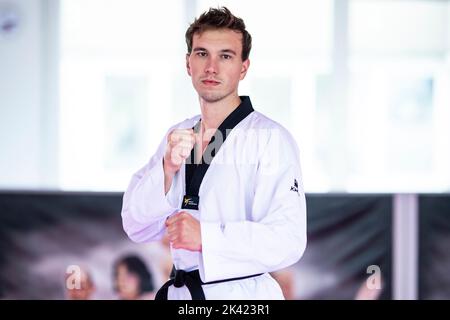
{"points": [[183, 231]]}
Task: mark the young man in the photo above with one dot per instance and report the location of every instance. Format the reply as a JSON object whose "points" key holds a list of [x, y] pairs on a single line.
{"points": [[225, 186]]}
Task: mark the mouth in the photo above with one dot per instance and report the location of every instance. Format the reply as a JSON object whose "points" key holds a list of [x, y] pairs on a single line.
{"points": [[209, 82]]}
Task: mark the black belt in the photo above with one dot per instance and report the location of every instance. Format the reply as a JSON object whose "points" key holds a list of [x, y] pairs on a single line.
{"points": [[193, 282]]}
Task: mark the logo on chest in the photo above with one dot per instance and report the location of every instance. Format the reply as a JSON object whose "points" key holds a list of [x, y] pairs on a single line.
{"points": [[295, 186], [190, 202]]}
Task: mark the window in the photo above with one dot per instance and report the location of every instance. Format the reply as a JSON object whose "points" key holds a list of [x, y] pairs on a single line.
{"points": [[117, 72], [398, 123], [364, 93]]}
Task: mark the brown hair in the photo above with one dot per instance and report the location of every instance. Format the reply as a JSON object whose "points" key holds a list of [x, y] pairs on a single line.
{"points": [[217, 19]]}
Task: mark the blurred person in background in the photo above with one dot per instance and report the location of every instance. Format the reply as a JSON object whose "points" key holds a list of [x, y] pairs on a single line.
{"points": [[286, 280], [132, 279]]}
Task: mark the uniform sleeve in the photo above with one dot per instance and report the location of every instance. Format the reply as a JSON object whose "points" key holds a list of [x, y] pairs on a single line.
{"points": [[276, 238], [145, 205]]}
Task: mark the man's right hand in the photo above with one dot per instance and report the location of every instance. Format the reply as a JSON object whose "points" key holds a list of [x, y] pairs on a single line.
{"points": [[179, 145]]}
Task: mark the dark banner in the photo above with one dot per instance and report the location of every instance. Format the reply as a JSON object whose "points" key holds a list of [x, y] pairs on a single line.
{"points": [[434, 247], [46, 236], [349, 240], [47, 240]]}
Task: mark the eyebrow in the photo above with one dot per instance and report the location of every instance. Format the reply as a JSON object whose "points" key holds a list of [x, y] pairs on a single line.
{"points": [[228, 51], [196, 49]]}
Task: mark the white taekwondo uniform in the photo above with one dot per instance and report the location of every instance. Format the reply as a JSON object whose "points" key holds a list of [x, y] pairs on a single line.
{"points": [[252, 208]]}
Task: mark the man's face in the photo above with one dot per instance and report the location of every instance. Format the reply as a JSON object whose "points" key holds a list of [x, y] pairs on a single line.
{"points": [[215, 64], [127, 283]]}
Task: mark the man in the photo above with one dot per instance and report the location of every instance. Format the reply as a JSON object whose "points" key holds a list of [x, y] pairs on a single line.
{"points": [[234, 173]]}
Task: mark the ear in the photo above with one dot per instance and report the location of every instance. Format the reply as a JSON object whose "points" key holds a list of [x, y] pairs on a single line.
{"points": [[188, 67], [245, 66]]}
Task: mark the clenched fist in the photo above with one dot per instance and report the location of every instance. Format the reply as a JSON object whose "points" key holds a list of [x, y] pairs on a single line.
{"points": [[183, 231], [179, 145]]}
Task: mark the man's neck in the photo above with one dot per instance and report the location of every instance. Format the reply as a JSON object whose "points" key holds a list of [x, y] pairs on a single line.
{"points": [[213, 113]]}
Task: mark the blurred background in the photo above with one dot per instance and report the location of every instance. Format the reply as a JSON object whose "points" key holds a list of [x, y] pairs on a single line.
{"points": [[89, 88]]}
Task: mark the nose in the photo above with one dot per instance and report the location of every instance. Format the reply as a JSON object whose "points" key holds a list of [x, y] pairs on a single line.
{"points": [[211, 66]]}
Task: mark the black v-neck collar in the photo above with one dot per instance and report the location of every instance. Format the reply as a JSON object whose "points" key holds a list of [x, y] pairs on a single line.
{"points": [[194, 173]]}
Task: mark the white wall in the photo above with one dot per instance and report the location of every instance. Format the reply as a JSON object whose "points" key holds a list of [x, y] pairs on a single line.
{"points": [[20, 97], [25, 77]]}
